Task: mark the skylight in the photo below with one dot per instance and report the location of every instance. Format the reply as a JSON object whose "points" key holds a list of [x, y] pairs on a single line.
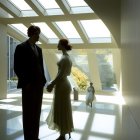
{"points": [[51, 7], [71, 19], [47, 32], [21, 4], [3, 13], [68, 30], [20, 27], [49, 4], [26, 10], [96, 31], [77, 3], [79, 6]]}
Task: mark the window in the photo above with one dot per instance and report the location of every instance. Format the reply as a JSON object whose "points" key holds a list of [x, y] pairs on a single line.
{"points": [[105, 64], [11, 77]]}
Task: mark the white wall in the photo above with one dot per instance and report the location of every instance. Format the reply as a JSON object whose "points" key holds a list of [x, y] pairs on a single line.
{"points": [[130, 56], [3, 61], [130, 52]]}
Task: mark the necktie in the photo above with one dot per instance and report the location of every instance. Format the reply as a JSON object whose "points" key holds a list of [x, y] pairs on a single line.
{"points": [[35, 50]]}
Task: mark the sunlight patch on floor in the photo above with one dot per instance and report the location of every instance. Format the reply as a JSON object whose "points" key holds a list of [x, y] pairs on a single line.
{"points": [[110, 99], [80, 119], [10, 107], [97, 138], [14, 125], [103, 123], [8, 100]]}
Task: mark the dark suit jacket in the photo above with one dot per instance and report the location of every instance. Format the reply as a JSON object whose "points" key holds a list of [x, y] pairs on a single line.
{"points": [[28, 66]]}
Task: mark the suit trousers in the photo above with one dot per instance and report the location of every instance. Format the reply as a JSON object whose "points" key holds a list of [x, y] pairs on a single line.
{"points": [[31, 106]]}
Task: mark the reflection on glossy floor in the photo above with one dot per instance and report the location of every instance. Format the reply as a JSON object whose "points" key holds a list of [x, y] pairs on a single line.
{"points": [[101, 122]]}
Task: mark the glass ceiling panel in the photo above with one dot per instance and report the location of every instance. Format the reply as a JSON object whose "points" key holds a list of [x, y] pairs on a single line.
{"points": [[79, 6], [96, 30], [46, 30], [21, 4], [78, 10], [26, 10], [54, 12], [4, 14], [51, 7], [49, 4], [20, 27], [28, 13], [68, 29], [77, 3]]}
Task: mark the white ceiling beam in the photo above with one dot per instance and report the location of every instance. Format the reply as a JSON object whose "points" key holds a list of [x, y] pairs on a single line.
{"points": [[70, 17], [35, 5], [63, 7], [10, 8], [45, 41], [15, 34], [83, 46], [81, 33], [74, 18], [54, 29]]}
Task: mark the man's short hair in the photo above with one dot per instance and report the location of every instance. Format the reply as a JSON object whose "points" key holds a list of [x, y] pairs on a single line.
{"points": [[33, 30]]}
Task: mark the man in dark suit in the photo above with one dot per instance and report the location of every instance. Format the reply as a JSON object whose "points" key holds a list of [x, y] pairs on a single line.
{"points": [[28, 66]]}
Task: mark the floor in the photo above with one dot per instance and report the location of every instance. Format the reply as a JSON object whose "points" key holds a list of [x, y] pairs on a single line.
{"points": [[101, 122]]}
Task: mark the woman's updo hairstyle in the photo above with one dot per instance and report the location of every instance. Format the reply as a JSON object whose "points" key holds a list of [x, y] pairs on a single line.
{"points": [[65, 43], [33, 30]]}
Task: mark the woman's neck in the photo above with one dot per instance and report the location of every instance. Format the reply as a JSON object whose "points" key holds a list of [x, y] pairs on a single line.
{"points": [[64, 52]]}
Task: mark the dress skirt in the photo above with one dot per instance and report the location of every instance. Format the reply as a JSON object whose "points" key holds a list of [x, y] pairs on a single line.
{"points": [[60, 115]]}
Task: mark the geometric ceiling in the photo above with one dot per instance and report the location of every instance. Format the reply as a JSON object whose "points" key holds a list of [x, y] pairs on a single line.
{"points": [[72, 19]]}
